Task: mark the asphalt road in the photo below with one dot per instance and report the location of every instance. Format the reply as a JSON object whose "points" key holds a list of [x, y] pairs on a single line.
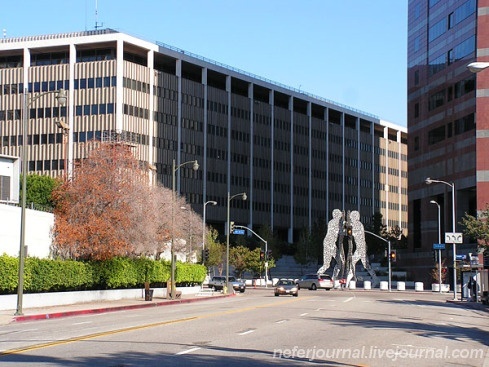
{"points": [[318, 328]]}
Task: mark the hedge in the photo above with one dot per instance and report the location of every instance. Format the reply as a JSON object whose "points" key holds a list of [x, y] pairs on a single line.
{"points": [[46, 275]]}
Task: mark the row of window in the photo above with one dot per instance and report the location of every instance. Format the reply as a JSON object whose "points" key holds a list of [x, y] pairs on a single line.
{"points": [[441, 97], [51, 86], [460, 51], [443, 132], [46, 165], [462, 12], [78, 137]]}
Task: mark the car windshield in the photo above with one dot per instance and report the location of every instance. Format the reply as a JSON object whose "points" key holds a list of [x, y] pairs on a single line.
{"points": [[285, 282]]}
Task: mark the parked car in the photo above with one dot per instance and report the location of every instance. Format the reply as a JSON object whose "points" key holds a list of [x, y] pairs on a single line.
{"points": [[218, 283], [315, 281], [286, 286]]}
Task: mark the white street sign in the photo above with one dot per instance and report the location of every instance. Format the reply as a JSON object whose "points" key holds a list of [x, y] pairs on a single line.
{"points": [[453, 237]]}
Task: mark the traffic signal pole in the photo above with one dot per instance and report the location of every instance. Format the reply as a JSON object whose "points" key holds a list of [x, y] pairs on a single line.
{"points": [[266, 251]]}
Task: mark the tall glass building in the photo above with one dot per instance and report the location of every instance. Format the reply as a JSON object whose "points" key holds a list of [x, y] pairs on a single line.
{"points": [[447, 118], [296, 155]]}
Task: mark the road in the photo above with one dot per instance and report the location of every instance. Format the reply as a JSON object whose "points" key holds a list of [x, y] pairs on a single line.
{"points": [[318, 328]]}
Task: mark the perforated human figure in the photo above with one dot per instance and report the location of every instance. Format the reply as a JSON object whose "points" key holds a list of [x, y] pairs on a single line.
{"points": [[330, 248], [358, 234]]}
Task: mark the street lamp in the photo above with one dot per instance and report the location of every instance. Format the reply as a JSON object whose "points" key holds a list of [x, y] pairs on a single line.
{"points": [[439, 241], [61, 98], [476, 67], [174, 169], [203, 226], [244, 197], [429, 181]]}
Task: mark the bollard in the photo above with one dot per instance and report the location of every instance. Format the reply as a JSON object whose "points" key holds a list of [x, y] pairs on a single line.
{"points": [[367, 284]]}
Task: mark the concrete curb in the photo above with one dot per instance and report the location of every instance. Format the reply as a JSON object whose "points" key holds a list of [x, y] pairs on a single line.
{"points": [[59, 314]]}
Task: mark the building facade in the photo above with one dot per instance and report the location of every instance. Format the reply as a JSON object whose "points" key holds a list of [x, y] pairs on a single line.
{"points": [[447, 118], [297, 156]]}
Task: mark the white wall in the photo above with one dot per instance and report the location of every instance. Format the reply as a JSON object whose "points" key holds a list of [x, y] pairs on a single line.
{"points": [[37, 233]]}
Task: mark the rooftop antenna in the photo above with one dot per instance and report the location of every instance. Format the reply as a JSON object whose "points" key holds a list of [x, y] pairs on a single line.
{"points": [[97, 24]]}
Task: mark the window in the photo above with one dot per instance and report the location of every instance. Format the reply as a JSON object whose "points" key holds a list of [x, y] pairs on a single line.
{"points": [[436, 135]]}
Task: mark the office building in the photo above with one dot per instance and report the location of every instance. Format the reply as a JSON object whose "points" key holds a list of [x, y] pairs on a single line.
{"points": [[447, 118], [296, 155]]}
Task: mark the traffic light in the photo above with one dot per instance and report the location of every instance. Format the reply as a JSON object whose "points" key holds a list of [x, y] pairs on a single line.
{"points": [[393, 256], [269, 254], [349, 231], [435, 256], [231, 227], [262, 255], [206, 254]]}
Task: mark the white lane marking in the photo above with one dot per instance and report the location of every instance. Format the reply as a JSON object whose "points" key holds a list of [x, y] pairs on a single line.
{"points": [[188, 350], [304, 314], [247, 332], [348, 299], [84, 322], [280, 321]]}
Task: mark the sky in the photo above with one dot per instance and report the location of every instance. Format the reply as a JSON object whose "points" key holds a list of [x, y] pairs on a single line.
{"points": [[352, 52]]}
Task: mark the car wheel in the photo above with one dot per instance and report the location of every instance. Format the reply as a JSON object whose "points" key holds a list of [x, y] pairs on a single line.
{"points": [[313, 287], [328, 289], [242, 291], [276, 294], [296, 295]]}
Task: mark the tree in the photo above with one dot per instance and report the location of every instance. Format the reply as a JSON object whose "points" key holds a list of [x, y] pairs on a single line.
{"points": [[255, 265], [39, 190], [217, 250], [304, 254], [109, 209], [319, 230], [477, 228], [239, 258], [375, 245]]}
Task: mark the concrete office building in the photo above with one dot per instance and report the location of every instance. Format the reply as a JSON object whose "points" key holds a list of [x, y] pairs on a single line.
{"points": [[297, 156], [447, 118]]}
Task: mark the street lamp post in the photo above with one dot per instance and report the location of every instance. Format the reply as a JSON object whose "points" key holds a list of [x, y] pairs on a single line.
{"points": [[244, 197], [429, 181], [439, 241], [174, 169], [203, 226], [61, 98]]}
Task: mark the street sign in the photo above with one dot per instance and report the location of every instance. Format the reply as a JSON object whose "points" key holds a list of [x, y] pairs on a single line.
{"points": [[453, 237], [461, 257], [239, 231], [438, 246]]}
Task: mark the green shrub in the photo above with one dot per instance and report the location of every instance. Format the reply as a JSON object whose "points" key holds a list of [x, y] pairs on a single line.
{"points": [[9, 273], [190, 274], [46, 275]]}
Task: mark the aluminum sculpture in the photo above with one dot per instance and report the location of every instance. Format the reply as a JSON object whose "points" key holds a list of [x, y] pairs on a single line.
{"points": [[346, 226]]}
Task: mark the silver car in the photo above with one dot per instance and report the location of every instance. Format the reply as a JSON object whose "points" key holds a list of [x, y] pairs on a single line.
{"points": [[315, 281], [218, 283]]}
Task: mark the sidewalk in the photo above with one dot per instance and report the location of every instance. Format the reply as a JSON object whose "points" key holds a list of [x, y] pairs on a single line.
{"points": [[44, 313]]}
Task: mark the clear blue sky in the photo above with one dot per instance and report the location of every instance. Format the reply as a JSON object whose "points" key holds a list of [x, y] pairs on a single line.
{"points": [[353, 52]]}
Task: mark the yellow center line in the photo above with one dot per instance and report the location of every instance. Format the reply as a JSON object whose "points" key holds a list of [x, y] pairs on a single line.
{"points": [[139, 327]]}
